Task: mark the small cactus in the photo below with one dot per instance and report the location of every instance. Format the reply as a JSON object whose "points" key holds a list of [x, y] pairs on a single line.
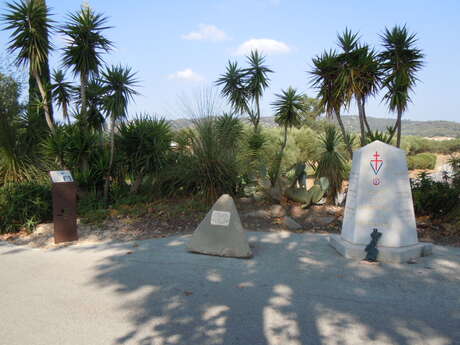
{"points": [[311, 196]]}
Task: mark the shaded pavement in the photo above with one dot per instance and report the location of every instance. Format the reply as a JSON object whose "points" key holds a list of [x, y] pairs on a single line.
{"points": [[296, 290]]}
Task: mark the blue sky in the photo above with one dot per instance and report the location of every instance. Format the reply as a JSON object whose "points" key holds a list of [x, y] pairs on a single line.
{"points": [[180, 47]]}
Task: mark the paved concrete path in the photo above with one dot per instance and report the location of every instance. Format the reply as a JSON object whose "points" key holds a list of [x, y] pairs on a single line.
{"points": [[296, 290]]}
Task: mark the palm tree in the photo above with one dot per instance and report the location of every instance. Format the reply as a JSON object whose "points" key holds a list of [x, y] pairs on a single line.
{"points": [[119, 83], [326, 70], [234, 88], [359, 77], [288, 113], [401, 61], [31, 24], [86, 43], [61, 91], [257, 81], [94, 117]]}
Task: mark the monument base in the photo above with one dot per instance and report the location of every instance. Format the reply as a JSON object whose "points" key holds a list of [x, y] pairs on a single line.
{"points": [[386, 254]]}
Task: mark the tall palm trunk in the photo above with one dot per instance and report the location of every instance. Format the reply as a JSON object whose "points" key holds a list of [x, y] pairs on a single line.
{"points": [[280, 157], [361, 121], [65, 113], [83, 86], [344, 133], [46, 108], [398, 124], [363, 104], [112, 149], [397, 129], [256, 121]]}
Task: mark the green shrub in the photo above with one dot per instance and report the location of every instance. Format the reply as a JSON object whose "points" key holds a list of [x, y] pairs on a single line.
{"points": [[83, 151], [432, 198], [414, 144], [331, 163], [143, 145], [24, 205], [208, 166], [421, 161]]}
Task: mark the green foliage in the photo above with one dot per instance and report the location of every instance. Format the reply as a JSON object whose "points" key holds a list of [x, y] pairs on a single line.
{"points": [[384, 137], [62, 92], [312, 196], [243, 88], [204, 168], [331, 163], [421, 161], [311, 109], [234, 88], [433, 198], [143, 144], [30, 23], [400, 63], [19, 161], [24, 205], [414, 145], [84, 30], [81, 150], [287, 107], [454, 162]]}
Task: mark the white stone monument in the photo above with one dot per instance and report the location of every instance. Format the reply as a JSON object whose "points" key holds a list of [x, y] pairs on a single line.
{"points": [[379, 197], [221, 233]]}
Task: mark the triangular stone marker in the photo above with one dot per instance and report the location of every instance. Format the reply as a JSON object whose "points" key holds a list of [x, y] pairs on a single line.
{"points": [[221, 233]]}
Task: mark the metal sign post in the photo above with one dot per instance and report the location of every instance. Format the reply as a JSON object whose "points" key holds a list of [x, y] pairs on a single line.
{"points": [[64, 193]]}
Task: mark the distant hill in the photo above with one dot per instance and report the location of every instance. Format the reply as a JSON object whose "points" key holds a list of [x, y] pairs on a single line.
{"points": [[409, 127]]}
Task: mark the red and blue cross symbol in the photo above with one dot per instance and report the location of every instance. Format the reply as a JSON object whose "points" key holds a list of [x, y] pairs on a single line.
{"points": [[376, 163]]}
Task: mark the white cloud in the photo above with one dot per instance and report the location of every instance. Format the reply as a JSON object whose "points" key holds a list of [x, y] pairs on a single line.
{"points": [[187, 74], [266, 45], [206, 32]]}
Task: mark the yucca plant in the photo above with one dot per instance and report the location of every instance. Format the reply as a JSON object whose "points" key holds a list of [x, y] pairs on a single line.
{"points": [[119, 85], [359, 75], [84, 32], [61, 91], [208, 168], [385, 137], [257, 81], [326, 69], [244, 87], [143, 144], [80, 150], [234, 88], [31, 24], [288, 107], [401, 61], [331, 163], [230, 130], [95, 97]]}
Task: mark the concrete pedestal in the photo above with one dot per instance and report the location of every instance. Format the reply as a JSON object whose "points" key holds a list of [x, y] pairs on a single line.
{"points": [[386, 254]]}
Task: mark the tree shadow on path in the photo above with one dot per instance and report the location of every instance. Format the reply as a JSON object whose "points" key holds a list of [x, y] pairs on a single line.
{"points": [[296, 290]]}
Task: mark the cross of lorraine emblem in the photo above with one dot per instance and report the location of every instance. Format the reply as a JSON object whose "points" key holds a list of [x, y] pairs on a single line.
{"points": [[376, 163]]}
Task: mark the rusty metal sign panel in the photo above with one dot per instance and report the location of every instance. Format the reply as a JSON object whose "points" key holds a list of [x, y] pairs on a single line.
{"points": [[64, 193]]}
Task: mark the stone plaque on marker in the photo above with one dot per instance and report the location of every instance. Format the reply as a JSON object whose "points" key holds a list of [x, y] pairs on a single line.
{"points": [[379, 197], [220, 218]]}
